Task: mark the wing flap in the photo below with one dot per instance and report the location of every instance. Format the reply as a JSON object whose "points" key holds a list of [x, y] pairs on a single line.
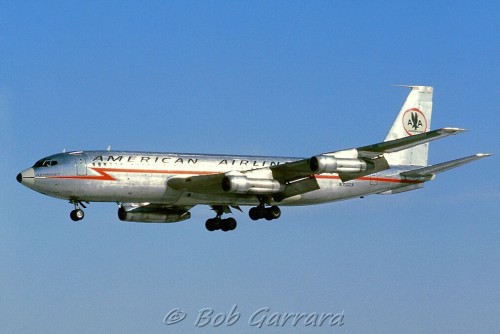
{"points": [[297, 188], [202, 184], [291, 171]]}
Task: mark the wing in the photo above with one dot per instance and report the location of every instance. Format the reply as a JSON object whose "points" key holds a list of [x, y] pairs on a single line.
{"points": [[353, 163], [406, 142], [298, 177]]}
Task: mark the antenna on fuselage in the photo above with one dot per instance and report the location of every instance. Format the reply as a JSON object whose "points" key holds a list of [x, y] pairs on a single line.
{"points": [[109, 148], [64, 150]]}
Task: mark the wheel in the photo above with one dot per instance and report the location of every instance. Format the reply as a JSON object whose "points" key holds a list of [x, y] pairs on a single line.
{"points": [[212, 224], [122, 214], [209, 226], [228, 224], [257, 212], [224, 225], [76, 215], [273, 212], [253, 213], [232, 223]]}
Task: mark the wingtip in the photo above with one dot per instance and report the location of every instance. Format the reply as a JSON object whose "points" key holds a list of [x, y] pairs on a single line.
{"points": [[453, 130], [483, 155]]}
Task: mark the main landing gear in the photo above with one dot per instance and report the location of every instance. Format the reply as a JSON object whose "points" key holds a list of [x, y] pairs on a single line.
{"points": [[229, 224], [261, 212], [77, 214], [218, 223]]}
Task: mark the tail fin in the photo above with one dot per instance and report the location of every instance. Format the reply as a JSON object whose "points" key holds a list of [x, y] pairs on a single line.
{"points": [[414, 118]]}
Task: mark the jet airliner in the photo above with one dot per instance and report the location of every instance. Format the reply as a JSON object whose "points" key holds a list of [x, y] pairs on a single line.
{"points": [[162, 187]]}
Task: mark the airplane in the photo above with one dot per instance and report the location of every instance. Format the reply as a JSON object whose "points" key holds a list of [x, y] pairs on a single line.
{"points": [[162, 187]]}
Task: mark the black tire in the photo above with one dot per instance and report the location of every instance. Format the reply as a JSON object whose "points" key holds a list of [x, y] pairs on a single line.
{"points": [[257, 213], [253, 213], [225, 225], [273, 212], [230, 223], [122, 214], [211, 224], [76, 215]]}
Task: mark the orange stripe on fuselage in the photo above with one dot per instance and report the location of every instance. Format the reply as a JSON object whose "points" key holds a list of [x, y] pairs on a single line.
{"points": [[104, 176]]}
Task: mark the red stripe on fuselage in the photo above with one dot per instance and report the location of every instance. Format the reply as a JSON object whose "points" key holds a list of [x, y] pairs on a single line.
{"points": [[104, 176]]}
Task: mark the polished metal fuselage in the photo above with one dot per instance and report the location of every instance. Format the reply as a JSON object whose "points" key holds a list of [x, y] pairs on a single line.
{"points": [[142, 177]]}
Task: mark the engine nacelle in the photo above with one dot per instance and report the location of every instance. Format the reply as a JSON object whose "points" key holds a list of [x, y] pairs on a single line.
{"points": [[240, 184], [147, 215], [328, 164]]}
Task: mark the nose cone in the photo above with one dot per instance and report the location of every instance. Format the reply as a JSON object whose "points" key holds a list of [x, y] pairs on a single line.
{"points": [[26, 177]]}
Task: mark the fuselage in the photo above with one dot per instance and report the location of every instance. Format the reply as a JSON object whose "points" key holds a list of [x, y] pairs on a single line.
{"points": [[138, 177]]}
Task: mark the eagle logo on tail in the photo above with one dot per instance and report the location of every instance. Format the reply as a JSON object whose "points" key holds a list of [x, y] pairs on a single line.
{"points": [[414, 121]]}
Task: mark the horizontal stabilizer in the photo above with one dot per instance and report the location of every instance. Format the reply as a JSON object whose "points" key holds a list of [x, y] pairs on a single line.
{"points": [[434, 169]]}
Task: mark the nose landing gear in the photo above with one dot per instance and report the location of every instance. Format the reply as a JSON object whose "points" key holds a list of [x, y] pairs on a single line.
{"points": [[77, 214]]}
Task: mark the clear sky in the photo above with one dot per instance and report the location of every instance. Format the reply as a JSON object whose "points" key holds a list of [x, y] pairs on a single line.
{"points": [[250, 77]]}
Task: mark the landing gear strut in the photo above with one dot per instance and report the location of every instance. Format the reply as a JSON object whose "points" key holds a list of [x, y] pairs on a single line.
{"points": [[77, 214], [218, 223]]}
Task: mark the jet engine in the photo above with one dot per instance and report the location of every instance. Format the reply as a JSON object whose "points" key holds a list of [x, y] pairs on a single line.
{"points": [[152, 215], [241, 184], [329, 164]]}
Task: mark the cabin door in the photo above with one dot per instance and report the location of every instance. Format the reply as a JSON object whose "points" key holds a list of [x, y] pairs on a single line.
{"points": [[81, 165]]}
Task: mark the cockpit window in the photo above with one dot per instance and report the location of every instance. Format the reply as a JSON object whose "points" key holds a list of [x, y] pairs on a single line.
{"points": [[39, 163], [45, 163]]}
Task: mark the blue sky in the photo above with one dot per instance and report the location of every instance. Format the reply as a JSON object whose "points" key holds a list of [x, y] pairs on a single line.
{"points": [[272, 78]]}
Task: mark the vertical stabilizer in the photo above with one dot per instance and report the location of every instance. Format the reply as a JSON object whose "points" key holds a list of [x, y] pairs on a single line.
{"points": [[414, 118]]}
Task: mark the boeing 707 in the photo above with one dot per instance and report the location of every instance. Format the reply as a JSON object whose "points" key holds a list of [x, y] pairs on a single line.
{"points": [[163, 187]]}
